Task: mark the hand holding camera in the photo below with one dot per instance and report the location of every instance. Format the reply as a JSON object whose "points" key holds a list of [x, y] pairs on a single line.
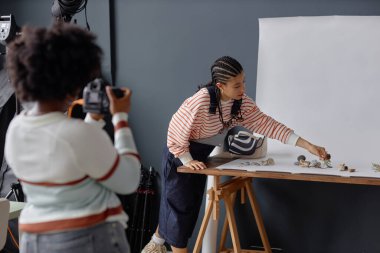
{"points": [[117, 103], [101, 99]]}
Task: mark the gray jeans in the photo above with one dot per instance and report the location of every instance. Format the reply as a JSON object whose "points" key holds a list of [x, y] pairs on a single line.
{"points": [[106, 237]]}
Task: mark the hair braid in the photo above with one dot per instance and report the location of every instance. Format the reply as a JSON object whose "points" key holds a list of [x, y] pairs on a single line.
{"points": [[223, 69]]}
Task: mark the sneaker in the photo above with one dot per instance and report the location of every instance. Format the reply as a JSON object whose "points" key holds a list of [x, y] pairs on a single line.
{"points": [[153, 247]]}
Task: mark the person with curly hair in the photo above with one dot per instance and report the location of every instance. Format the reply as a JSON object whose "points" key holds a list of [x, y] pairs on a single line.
{"points": [[69, 169]]}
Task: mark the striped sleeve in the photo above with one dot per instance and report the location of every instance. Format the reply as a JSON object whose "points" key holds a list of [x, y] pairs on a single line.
{"points": [[179, 131], [182, 125], [124, 142], [96, 156], [124, 175], [258, 122]]}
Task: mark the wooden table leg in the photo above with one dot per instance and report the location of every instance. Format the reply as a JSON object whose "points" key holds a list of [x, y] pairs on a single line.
{"points": [[206, 218], [258, 217], [232, 222], [227, 192], [225, 227], [216, 206]]}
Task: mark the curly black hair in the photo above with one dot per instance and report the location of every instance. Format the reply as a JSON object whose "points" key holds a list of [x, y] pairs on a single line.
{"points": [[46, 64]]}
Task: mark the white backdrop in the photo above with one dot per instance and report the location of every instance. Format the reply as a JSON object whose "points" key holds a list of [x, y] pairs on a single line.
{"points": [[321, 77]]}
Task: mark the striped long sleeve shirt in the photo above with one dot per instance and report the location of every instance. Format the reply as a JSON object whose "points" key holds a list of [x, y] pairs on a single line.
{"points": [[70, 170], [193, 121]]}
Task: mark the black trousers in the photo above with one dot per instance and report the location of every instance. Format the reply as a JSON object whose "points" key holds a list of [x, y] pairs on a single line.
{"points": [[181, 196]]}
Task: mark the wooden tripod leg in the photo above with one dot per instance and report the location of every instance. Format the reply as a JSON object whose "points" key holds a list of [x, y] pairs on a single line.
{"points": [[206, 218], [223, 235], [232, 223], [258, 217], [225, 227]]}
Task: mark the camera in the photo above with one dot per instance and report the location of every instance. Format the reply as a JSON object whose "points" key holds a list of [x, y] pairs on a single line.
{"points": [[95, 97]]}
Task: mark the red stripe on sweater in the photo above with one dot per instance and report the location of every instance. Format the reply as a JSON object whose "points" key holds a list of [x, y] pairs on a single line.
{"points": [[111, 171], [133, 154], [121, 124], [74, 223], [51, 184]]}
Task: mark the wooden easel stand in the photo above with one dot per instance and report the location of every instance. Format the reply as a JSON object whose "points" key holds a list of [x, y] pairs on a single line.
{"points": [[227, 192]]}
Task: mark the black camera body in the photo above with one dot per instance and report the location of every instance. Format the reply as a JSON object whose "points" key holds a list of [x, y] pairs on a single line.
{"points": [[95, 97]]}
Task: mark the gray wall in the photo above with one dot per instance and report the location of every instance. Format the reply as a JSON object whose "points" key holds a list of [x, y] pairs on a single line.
{"points": [[165, 48], [162, 49]]}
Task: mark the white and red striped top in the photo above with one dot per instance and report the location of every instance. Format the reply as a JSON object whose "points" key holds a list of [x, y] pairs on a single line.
{"points": [[193, 121], [70, 170]]}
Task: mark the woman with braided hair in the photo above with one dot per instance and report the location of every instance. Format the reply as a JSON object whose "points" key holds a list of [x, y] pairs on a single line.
{"points": [[199, 118]]}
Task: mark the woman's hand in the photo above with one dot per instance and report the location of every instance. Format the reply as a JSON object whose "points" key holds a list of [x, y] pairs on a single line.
{"points": [[122, 104], [196, 165], [314, 149], [318, 151]]}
